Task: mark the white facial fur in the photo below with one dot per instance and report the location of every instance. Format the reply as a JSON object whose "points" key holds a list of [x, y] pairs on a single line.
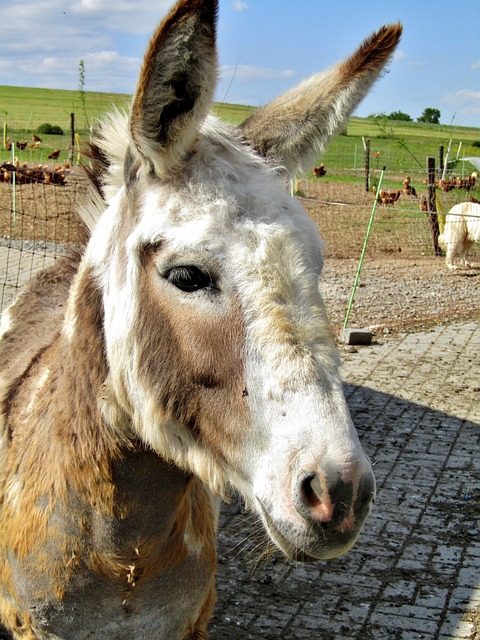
{"points": [[230, 214]]}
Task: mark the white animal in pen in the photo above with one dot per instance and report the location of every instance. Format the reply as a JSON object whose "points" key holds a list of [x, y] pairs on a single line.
{"points": [[462, 229]]}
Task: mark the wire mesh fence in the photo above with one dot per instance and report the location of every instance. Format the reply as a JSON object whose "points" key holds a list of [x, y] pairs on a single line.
{"points": [[401, 226], [38, 221], [38, 218]]}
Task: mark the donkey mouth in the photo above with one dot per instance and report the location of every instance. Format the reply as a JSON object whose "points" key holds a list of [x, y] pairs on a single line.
{"points": [[312, 544]]}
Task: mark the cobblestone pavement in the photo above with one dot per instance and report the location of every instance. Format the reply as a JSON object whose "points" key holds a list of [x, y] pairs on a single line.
{"points": [[415, 570]]}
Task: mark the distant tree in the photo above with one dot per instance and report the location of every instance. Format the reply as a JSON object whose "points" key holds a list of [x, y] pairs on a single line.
{"points": [[430, 116], [399, 115]]}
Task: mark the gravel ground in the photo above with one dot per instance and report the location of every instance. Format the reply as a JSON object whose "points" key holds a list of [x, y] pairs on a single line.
{"points": [[397, 294]]}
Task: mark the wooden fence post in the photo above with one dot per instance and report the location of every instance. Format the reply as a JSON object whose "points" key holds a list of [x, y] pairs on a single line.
{"points": [[72, 137], [440, 160], [367, 165], [432, 207]]}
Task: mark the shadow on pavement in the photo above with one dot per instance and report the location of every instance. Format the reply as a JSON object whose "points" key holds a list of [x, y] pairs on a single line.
{"points": [[415, 570]]}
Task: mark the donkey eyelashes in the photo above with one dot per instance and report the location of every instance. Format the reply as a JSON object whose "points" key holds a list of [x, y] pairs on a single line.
{"points": [[189, 278]]}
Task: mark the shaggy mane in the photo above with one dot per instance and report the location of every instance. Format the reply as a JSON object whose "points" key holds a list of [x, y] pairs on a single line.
{"points": [[107, 151]]}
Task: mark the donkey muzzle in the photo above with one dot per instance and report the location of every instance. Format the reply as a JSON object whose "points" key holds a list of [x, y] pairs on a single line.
{"points": [[335, 497]]}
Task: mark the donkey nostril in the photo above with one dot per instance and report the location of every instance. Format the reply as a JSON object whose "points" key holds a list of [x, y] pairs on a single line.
{"points": [[325, 498], [314, 500], [311, 490]]}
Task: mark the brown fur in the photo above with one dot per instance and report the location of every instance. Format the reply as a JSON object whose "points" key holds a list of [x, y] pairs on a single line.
{"points": [[75, 469], [195, 386]]}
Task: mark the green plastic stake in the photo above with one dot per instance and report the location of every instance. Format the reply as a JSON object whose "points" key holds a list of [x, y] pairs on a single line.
{"points": [[14, 191], [364, 249]]}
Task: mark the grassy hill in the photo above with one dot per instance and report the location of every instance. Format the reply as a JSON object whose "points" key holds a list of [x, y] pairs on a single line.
{"points": [[24, 109], [401, 146]]}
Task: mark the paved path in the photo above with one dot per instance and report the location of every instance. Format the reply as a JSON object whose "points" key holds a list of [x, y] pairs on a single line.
{"points": [[415, 571]]}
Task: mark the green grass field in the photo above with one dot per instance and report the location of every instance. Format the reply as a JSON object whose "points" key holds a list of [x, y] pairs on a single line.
{"points": [[400, 146]]}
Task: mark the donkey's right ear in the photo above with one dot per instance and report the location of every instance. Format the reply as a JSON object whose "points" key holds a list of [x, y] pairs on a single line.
{"points": [[176, 85], [294, 128]]}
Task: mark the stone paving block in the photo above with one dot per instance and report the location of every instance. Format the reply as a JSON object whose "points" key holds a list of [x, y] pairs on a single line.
{"points": [[448, 554], [392, 621], [458, 629], [473, 550], [400, 590], [432, 596], [469, 576], [417, 552], [464, 598], [380, 564], [445, 570], [307, 627], [416, 635]]}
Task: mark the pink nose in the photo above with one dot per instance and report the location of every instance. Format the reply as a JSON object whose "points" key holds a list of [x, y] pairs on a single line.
{"points": [[330, 498]]}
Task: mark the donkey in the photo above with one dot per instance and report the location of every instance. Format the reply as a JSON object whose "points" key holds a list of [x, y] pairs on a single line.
{"points": [[186, 353]]}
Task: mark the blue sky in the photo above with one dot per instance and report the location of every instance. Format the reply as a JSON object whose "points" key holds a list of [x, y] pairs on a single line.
{"points": [[266, 47]]}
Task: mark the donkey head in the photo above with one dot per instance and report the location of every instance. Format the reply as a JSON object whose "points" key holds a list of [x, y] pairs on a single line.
{"points": [[219, 352]]}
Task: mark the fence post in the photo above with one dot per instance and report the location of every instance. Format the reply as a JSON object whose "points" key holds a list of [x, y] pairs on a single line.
{"points": [[440, 160], [367, 165], [432, 207], [72, 137]]}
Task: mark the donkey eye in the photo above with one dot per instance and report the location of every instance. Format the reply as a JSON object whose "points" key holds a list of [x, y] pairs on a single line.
{"points": [[190, 279]]}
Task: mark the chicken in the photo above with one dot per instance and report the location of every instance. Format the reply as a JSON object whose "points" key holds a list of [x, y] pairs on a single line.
{"points": [[408, 189], [386, 197], [320, 171]]}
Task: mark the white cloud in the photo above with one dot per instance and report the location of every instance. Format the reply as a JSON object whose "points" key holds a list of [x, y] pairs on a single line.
{"points": [[125, 16], [466, 101], [42, 42], [90, 5], [238, 5], [121, 71], [418, 64], [244, 72], [475, 65]]}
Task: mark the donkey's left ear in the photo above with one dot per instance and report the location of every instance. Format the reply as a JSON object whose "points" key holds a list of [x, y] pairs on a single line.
{"points": [[176, 85], [294, 128]]}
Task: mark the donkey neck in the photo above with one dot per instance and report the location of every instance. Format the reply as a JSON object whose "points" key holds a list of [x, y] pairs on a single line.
{"points": [[92, 467]]}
